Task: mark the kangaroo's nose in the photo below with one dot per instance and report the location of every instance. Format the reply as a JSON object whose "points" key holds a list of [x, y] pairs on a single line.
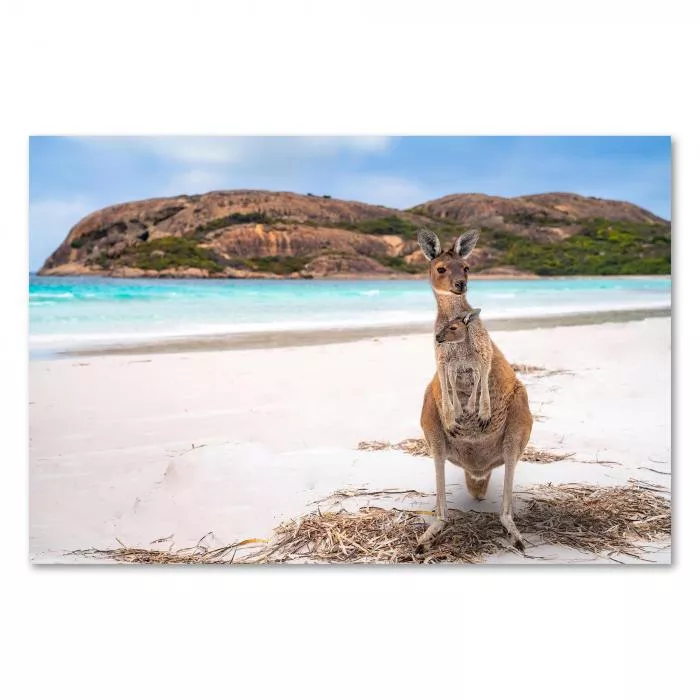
{"points": [[459, 286]]}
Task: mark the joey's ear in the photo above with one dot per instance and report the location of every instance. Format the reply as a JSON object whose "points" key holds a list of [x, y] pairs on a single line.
{"points": [[465, 243], [429, 243], [474, 313]]}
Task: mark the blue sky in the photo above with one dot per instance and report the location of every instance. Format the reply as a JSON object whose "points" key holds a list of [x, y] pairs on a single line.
{"points": [[69, 177]]}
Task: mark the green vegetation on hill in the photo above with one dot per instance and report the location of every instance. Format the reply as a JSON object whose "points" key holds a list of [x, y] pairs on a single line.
{"points": [[254, 217], [172, 252], [601, 248], [396, 226], [386, 226], [277, 264], [533, 219], [397, 263], [88, 238], [243, 232]]}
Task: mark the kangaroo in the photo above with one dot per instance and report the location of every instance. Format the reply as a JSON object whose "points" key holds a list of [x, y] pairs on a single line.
{"points": [[498, 434], [463, 344]]}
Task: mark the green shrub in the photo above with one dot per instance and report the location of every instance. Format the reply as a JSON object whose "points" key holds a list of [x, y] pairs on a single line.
{"points": [[278, 264], [398, 264], [255, 217], [601, 248], [173, 252], [386, 226], [93, 236], [524, 218]]}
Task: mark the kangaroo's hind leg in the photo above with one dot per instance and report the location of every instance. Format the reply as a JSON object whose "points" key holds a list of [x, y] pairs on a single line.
{"points": [[517, 433], [435, 437]]}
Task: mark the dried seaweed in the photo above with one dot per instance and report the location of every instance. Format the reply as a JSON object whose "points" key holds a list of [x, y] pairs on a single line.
{"points": [[533, 454], [419, 447], [605, 521], [520, 368]]}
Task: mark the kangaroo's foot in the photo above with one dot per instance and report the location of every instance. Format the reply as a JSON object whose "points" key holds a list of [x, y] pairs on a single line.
{"points": [[429, 535], [516, 539]]}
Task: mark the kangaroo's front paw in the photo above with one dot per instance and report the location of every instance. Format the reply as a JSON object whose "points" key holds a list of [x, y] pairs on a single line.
{"points": [[484, 416], [471, 406]]}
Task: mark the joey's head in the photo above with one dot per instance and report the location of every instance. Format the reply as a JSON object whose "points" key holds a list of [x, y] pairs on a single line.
{"points": [[448, 269], [455, 331]]}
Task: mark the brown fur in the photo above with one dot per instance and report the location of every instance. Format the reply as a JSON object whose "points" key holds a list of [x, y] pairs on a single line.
{"points": [[475, 445]]}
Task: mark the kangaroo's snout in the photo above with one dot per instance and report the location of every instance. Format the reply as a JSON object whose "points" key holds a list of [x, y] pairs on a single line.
{"points": [[460, 286]]}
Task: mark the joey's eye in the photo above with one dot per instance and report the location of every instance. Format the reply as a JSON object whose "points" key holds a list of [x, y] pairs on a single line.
{"points": [[442, 269], [453, 328], [466, 268]]}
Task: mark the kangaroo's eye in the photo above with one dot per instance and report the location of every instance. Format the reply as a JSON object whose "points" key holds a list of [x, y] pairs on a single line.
{"points": [[442, 269], [453, 328]]}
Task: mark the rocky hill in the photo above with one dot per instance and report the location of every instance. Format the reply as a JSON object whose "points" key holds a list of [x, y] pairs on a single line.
{"points": [[246, 233]]}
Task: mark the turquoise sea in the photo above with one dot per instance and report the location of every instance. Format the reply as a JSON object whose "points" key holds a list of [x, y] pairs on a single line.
{"points": [[69, 312]]}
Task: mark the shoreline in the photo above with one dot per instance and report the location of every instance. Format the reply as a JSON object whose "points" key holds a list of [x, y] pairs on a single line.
{"points": [[257, 277], [258, 340], [479, 276]]}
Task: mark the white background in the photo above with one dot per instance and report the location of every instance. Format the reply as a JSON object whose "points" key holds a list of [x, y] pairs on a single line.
{"points": [[350, 68]]}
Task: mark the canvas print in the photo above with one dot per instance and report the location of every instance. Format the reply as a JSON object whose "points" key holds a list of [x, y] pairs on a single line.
{"points": [[350, 350]]}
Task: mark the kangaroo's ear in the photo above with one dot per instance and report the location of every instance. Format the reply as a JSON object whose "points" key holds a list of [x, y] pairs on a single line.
{"points": [[429, 243], [465, 243], [474, 313]]}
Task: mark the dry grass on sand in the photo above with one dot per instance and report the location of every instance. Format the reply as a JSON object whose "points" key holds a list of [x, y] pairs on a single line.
{"points": [[419, 448], [539, 371], [601, 520]]}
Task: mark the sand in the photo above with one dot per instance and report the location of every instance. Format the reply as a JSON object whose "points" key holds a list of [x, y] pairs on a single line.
{"points": [[232, 442]]}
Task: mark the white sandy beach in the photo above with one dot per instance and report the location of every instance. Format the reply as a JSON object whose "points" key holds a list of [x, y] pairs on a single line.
{"points": [[234, 442]]}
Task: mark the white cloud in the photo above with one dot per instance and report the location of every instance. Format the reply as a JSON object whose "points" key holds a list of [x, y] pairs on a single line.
{"points": [[388, 190], [196, 181], [49, 223], [237, 150], [335, 144]]}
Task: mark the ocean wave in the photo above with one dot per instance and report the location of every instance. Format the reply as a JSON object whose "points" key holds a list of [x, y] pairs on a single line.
{"points": [[370, 293], [51, 295]]}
